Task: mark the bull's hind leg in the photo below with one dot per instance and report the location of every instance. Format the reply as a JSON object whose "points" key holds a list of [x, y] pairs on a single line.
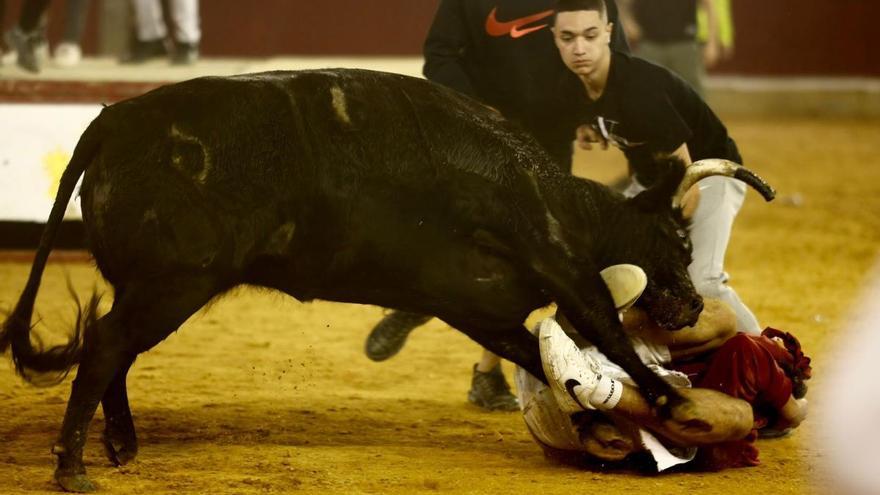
{"points": [[103, 354], [139, 320], [120, 441]]}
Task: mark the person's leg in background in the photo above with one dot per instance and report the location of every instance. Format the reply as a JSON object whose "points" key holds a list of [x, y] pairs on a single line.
{"points": [[652, 51], [681, 57], [685, 59], [489, 389], [3, 47], [68, 53], [150, 31], [720, 201], [187, 32], [26, 36], [389, 335]]}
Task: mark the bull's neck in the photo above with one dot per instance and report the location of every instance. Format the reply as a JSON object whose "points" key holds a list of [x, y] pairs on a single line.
{"points": [[588, 213]]}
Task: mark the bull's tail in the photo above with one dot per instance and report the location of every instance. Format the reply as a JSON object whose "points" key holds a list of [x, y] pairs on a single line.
{"points": [[33, 360]]}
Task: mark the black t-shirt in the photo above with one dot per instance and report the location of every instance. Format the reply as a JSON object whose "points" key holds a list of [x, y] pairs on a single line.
{"points": [[666, 21], [502, 53], [646, 109]]}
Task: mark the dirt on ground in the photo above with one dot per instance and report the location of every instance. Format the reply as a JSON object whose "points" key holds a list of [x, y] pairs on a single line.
{"points": [[262, 394]]}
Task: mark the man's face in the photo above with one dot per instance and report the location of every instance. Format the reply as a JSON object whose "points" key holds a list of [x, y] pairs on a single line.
{"points": [[582, 38]]}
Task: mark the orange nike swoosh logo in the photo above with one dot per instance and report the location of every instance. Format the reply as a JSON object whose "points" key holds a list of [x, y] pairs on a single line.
{"points": [[494, 27]]}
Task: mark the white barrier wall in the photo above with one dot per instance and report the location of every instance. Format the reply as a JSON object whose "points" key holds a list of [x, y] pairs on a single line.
{"points": [[36, 142]]}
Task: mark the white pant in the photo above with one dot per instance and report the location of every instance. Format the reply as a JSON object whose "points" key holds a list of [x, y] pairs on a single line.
{"points": [[720, 201], [151, 25]]}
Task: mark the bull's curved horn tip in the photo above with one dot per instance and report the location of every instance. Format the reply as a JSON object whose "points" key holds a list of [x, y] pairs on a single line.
{"points": [[757, 183]]}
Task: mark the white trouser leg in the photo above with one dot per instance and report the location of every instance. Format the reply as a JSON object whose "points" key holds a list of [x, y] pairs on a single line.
{"points": [[185, 14], [148, 16], [720, 201]]}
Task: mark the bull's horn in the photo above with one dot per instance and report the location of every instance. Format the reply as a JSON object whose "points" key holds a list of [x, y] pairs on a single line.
{"points": [[715, 166]]}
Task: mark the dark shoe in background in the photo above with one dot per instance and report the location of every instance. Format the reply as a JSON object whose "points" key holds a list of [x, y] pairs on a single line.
{"points": [[25, 45], [4, 50], [185, 54], [491, 392], [142, 51], [389, 335]]}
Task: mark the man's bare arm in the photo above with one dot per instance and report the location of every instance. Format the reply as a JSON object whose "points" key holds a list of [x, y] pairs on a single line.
{"points": [[712, 50], [633, 30], [716, 324]]}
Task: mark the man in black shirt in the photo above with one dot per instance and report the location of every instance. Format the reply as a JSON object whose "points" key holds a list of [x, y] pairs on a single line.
{"points": [[649, 112], [500, 52]]}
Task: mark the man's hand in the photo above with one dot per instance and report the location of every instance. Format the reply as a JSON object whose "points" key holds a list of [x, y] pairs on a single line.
{"points": [[793, 413], [712, 49], [711, 53], [727, 51], [690, 201], [627, 18], [633, 33], [586, 137]]}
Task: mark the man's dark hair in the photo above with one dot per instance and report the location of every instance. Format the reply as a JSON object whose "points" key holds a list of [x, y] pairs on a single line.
{"points": [[576, 5]]}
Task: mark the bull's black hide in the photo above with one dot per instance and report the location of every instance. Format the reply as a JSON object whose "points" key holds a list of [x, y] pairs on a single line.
{"points": [[343, 185]]}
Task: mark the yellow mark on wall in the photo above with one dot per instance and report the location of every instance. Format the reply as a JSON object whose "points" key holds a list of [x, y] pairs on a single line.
{"points": [[54, 163]]}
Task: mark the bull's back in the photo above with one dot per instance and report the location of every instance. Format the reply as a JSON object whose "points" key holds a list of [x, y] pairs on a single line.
{"points": [[211, 168], [371, 122]]}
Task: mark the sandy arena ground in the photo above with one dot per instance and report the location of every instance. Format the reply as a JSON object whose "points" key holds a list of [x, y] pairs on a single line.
{"points": [[262, 394]]}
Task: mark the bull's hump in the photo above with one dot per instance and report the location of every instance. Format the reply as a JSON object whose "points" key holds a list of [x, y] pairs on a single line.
{"points": [[454, 130], [379, 122], [328, 75], [449, 129]]}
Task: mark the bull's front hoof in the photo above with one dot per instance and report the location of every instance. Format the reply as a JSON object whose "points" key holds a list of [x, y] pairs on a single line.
{"points": [[119, 452], [74, 482]]}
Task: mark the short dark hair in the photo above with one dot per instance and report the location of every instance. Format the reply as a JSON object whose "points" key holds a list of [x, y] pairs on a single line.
{"points": [[576, 5]]}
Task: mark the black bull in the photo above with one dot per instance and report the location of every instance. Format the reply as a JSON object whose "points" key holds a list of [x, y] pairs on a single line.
{"points": [[342, 185]]}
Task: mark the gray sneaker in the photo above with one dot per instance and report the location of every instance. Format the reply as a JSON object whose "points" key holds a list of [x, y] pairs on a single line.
{"points": [[491, 392], [25, 46], [389, 335], [185, 54]]}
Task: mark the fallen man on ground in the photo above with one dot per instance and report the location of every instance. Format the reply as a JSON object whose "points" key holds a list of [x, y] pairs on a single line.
{"points": [[592, 411]]}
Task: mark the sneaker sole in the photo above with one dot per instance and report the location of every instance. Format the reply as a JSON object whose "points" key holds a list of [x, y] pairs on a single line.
{"points": [[482, 404]]}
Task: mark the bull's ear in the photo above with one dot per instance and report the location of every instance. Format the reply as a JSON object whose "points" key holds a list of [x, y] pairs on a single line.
{"points": [[659, 196]]}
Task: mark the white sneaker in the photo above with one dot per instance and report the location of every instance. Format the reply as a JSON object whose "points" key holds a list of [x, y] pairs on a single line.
{"points": [[571, 375], [67, 54], [626, 284]]}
